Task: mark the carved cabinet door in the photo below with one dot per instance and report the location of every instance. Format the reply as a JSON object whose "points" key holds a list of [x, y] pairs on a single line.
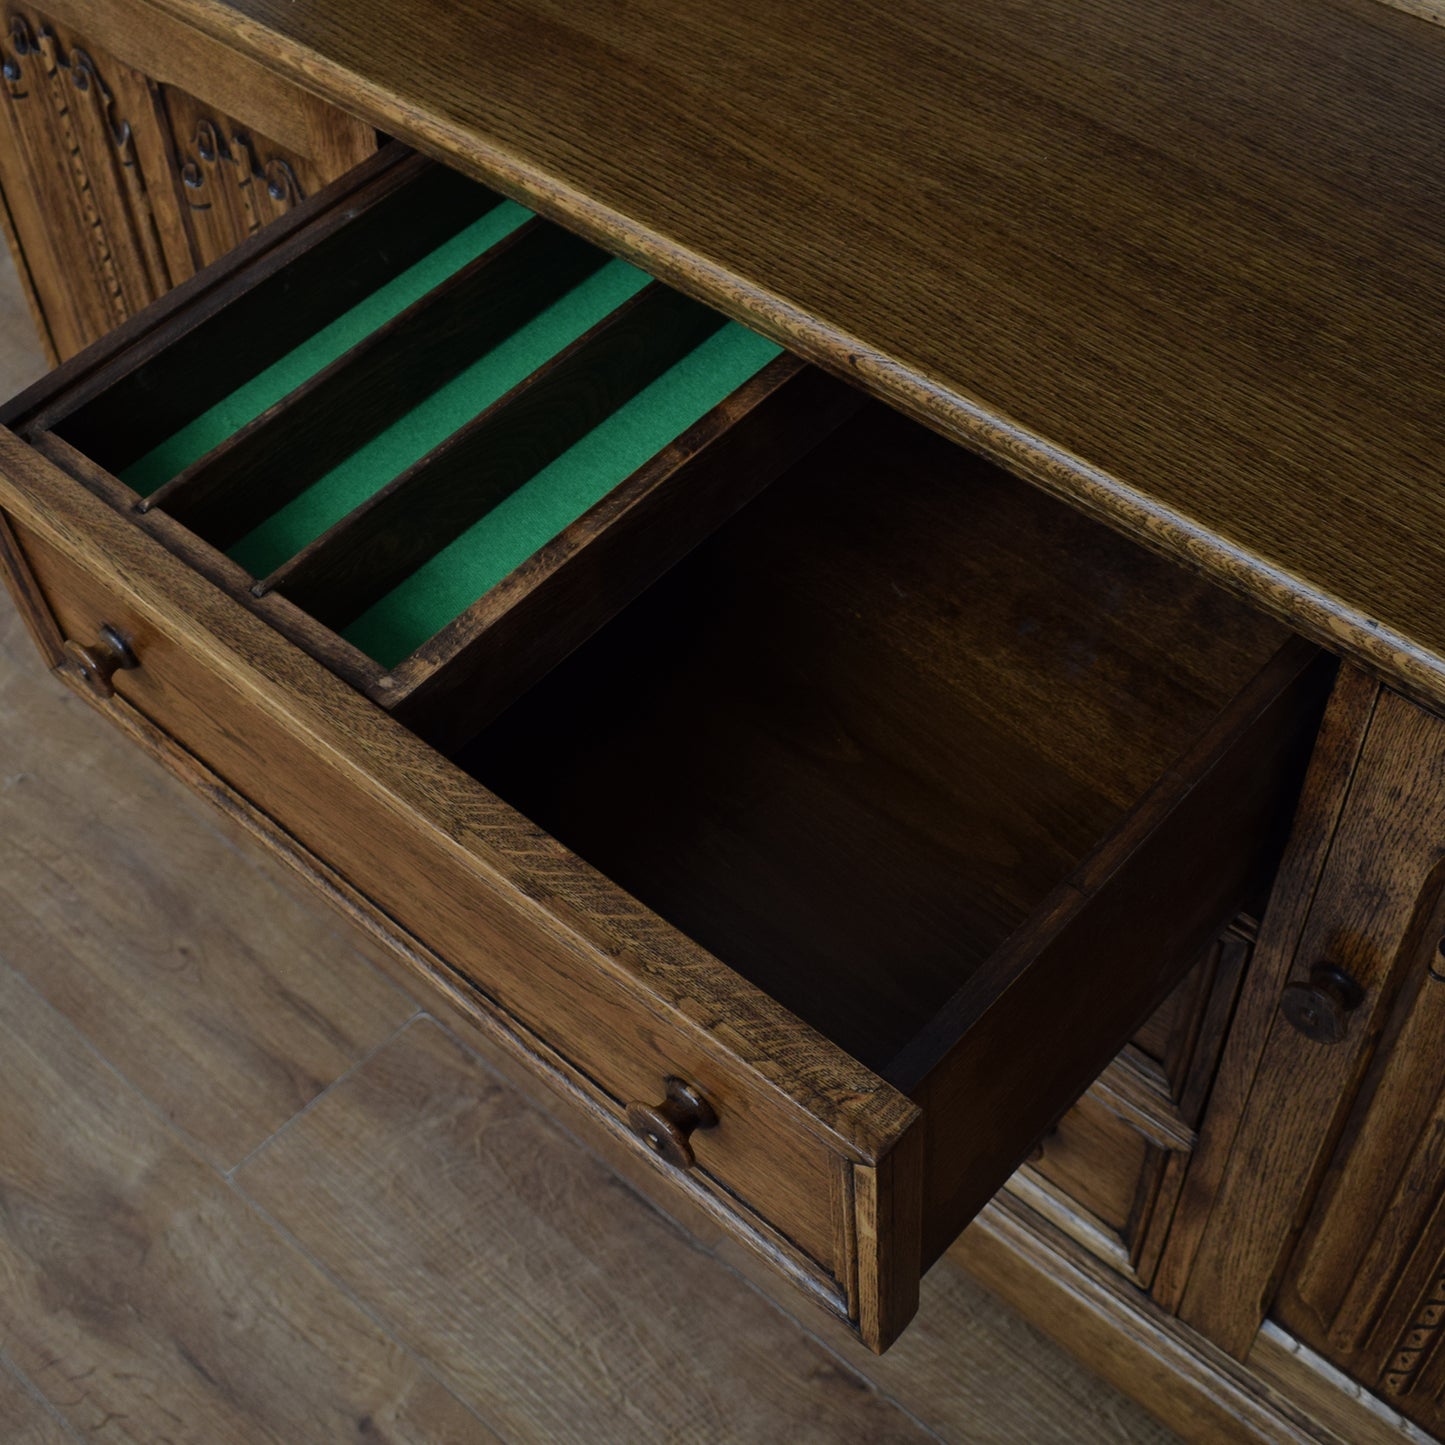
{"points": [[1318, 1196], [1366, 1284], [117, 186]]}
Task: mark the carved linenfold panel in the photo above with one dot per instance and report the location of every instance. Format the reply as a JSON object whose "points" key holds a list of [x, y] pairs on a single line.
{"points": [[233, 180], [1417, 1343], [68, 120], [118, 188], [1366, 1284]]}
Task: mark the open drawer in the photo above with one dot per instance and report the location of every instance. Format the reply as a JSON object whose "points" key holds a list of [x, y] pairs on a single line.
{"points": [[830, 803]]}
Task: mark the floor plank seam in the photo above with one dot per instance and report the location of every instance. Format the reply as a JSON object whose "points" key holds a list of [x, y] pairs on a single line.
{"points": [[828, 1349], [426, 1366], [581, 1144], [311, 1103], [39, 1396], [244, 846], [187, 1139]]}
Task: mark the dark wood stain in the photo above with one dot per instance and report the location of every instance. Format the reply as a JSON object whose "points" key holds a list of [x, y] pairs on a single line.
{"points": [[318, 262], [855, 740], [476, 666]]}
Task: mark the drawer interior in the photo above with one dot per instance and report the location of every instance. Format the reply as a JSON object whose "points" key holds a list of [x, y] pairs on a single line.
{"points": [[859, 739], [462, 400]]}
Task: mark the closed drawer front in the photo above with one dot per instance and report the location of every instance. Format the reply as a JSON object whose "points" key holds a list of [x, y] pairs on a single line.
{"points": [[1111, 1172], [834, 804]]}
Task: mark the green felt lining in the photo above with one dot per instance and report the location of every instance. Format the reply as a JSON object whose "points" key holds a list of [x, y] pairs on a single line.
{"points": [[446, 585], [369, 468], [282, 377]]}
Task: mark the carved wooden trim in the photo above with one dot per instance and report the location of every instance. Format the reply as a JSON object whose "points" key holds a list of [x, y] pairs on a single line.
{"points": [[1283, 1391], [232, 181], [1432, 10], [215, 144], [81, 207], [1366, 1285], [1417, 1342], [1136, 1089], [119, 186]]}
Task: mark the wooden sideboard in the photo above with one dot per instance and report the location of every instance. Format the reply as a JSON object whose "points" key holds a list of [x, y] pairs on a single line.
{"points": [[1168, 286]]}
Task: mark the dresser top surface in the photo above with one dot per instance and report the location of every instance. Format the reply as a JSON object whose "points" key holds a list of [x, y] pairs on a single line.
{"points": [[1182, 263]]}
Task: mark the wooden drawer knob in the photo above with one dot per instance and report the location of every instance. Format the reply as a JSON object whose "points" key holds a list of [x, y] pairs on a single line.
{"points": [[98, 663], [1321, 1008], [666, 1127]]}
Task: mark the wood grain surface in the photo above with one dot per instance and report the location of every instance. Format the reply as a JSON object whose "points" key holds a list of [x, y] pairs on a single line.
{"points": [[414, 515], [252, 94], [855, 739], [604, 980], [423, 1135], [25, 1419], [1182, 264], [274, 457], [1124, 1335], [120, 182], [514, 634], [1326, 791], [1376, 897]]}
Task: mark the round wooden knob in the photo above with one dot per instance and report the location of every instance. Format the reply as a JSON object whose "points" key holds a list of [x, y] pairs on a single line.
{"points": [[1321, 1008], [97, 664], [667, 1127]]}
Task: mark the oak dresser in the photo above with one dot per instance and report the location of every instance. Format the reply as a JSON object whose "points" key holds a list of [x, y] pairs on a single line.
{"points": [[857, 589]]}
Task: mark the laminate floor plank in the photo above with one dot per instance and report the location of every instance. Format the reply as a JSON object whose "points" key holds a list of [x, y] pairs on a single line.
{"points": [[148, 1301], [223, 997], [25, 1419], [548, 1295], [968, 1367]]}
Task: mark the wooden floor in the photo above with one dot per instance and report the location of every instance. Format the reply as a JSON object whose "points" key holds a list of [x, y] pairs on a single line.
{"points": [[250, 1193]]}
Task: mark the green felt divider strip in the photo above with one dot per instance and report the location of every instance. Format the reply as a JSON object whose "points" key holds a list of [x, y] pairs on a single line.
{"points": [[369, 468], [512, 531], [249, 400]]}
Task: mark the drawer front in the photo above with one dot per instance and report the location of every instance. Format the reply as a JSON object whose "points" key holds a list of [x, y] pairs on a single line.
{"points": [[810, 1152]]}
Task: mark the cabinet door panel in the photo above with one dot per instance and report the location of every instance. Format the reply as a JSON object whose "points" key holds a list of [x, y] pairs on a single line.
{"points": [[1366, 1286], [82, 212], [1375, 916], [229, 179]]}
